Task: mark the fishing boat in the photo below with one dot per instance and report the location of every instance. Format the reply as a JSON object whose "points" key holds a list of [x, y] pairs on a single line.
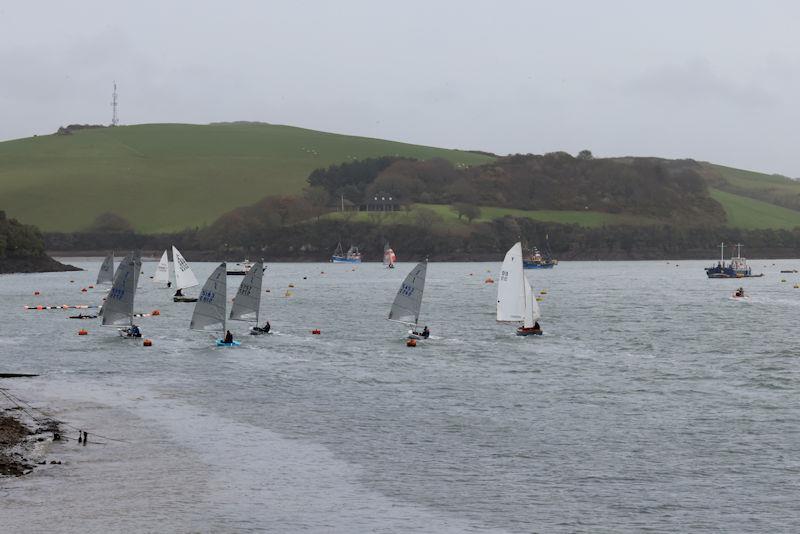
{"points": [[736, 268], [210, 310], [118, 307], [241, 269], [515, 298], [247, 302], [161, 275], [408, 301], [184, 277], [351, 256], [540, 260], [389, 257], [106, 273]]}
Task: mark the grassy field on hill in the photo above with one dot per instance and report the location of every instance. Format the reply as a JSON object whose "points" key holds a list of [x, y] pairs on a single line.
{"points": [[166, 177], [750, 214], [589, 219]]}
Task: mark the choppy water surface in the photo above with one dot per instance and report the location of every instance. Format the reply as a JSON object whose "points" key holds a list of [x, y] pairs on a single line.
{"points": [[653, 401]]}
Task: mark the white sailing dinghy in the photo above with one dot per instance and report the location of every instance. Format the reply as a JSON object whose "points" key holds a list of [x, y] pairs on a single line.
{"points": [[247, 301], [515, 299], [118, 307], [161, 275], [184, 277], [209, 312], [407, 303], [106, 273]]}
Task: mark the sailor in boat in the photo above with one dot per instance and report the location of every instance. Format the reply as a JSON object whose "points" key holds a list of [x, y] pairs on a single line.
{"points": [[169, 284], [262, 330], [536, 328], [425, 334], [228, 337], [739, 292], [179, 293], [132, 331]]}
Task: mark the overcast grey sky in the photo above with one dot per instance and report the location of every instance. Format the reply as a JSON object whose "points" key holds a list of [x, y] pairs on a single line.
{"points": [[711, 80]]}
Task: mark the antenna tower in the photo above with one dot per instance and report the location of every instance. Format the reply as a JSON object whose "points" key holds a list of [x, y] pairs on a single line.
{"points": [[114, 117]]}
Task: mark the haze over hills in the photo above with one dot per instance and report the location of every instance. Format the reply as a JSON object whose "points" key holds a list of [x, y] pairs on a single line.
{"points": [[167, 177]]}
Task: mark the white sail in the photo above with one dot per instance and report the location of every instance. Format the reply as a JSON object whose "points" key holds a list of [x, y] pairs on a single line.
{"points": [[118, 307], [510, 287], [406, 305], [162, 270], [209, 312], [184, 277], [532, 313], [106, 274], [248, 299]]}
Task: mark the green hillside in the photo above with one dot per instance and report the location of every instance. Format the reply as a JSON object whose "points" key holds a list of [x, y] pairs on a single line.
{"points": [[165, 177], [751, 214], [589, 219]]}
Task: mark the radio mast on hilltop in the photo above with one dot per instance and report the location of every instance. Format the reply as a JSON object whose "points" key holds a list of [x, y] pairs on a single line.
{"points": [[114, 117]]}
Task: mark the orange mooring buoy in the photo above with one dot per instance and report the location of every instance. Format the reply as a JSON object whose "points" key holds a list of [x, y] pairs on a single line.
{"points": [[155, 312], [316, 331], [147, 343], [91, 287], [84, 290], [411, 343], [83, 332], [40, 307], [489, 280]]}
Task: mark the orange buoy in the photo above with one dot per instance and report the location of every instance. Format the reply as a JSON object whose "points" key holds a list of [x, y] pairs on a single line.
{"points": [[316, 331], [91, 287], [489, 280], [40, 307], [36, 293], [156, 312], [411, 343], [147, 343], [84, 290], [83, 332]]}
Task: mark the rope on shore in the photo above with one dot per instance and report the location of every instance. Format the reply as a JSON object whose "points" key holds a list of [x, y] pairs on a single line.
{"points": [[21, 404]]}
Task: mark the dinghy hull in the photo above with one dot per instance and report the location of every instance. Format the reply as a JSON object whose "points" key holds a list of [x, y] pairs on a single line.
{"points": [[221, 343]]}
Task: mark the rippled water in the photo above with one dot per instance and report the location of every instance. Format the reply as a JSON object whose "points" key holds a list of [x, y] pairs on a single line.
{"points": [[653, 401]]}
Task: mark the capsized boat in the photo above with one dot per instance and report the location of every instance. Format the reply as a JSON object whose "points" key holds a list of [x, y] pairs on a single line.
{"points": [[210, 311], [515, 298], [389, 257], [351, 256], [184, 277], [161, 275], [736, 268], [408, 301], [118, 307], [106, 273], [247, 302]]}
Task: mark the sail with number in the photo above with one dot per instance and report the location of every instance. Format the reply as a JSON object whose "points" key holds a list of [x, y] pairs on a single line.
{"points": [[248, 298], [209, 312], [406, 305], [118, 307], [184, 277], [511, 287], [162, 270], [106, 273]]}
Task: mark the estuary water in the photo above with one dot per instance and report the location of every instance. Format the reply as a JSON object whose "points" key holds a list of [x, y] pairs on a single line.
{"points": [[653, 401]]}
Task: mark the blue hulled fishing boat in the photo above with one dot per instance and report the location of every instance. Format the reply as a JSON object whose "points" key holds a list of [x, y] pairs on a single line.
{"points": [[736, 268]]}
